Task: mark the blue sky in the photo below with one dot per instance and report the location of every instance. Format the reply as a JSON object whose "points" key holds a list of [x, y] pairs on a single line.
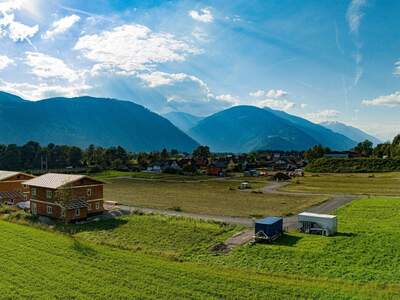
{"points": [[323, 60]]}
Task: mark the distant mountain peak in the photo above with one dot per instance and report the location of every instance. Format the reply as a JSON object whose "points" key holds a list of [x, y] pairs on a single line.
{"points": [[351, 132], [82, 121]]}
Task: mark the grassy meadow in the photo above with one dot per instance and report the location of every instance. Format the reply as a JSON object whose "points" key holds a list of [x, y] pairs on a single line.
{"points": [[158, 235], [355, 183], [212, 196], [366, 249], [130, 260]]}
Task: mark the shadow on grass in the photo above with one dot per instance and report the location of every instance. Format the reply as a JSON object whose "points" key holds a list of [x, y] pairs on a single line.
{"points": [[93, 226], [346, 234], [83, 249], [284, 240]]}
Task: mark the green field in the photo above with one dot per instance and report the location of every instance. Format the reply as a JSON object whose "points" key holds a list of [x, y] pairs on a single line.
{"points": [[128, 259], [212, 196], [367, 183], [158, 235], [366, 249]]}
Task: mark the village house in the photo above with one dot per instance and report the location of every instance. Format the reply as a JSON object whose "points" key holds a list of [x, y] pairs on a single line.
{"points": [[65, 196], [11, 189]]}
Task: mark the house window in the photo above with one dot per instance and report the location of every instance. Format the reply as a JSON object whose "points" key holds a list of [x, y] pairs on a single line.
{"points": [[89, 206], [63, 213], [33, 191], [89, 192], [49, 210], [49, 194], [26, 197], [77, 212], [97, 205]]}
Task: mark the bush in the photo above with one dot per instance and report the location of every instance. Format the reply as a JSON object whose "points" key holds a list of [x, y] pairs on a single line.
{"points": [[353, 165]]}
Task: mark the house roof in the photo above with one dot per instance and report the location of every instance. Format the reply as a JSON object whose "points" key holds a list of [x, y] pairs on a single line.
{"points": [[310, 214], [55, 181], [269, 220], [7, 174], [11, 195]]}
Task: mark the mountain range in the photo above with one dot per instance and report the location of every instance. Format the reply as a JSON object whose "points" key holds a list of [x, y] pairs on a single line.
{"points": [[86, 120], [351, 132], [82, 121], [249, 128]]}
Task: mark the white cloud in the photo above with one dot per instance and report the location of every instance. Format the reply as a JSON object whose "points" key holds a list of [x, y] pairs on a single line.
{"points": [[323, 115], [355, 14], [60, 26], [228, 98], [43, 90], [204, 15], [257, 94], [128, 49], [391, 100], [275, 94], [9, 6], [158, 78], [397, 68], [200, 35], [45, 66], [276, 104], [19, 32], [5, 61]]}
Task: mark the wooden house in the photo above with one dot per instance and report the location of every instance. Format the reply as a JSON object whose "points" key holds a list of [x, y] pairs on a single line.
{"points": [[65, 196], [12, 190]]}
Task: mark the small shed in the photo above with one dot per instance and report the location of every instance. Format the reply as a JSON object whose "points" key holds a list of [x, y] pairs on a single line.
{"points": [[269, 228], [317, 223]]}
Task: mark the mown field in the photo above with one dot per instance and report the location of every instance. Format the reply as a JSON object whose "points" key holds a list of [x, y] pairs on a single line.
{"points": [[129, 260], [212, 196], [367, 183]]}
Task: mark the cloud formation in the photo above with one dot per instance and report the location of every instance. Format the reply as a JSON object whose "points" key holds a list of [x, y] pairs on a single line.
{"points": [[5, 61], [392, 100], [43, 90], [275, 94], [204, 15], [45, 66], [60, 26], [128, 49], [323, 115], [276, 104], [355, 14]]}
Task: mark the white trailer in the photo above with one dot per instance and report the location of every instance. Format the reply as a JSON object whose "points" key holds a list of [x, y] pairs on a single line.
{"points": [[317, 223]]}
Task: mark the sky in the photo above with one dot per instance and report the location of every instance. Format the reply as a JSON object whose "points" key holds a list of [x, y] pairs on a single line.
{"points": [[322, 60]]}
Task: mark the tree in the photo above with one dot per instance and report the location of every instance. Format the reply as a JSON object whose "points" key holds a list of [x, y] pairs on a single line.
{"points": [[316, 152], [382, 150], [395, 148], [164, 155], [202, 152], [364, 148]]}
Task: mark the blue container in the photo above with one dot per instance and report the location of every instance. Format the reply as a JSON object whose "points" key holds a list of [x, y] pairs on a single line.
{"points": [[271, 226]]}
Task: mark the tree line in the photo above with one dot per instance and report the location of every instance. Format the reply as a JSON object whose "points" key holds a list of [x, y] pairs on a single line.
{"points": [[363, 149]]}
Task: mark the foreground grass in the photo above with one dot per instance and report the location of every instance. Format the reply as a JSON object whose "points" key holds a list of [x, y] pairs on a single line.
{"points": [[159, 235], [374, 184], [214, 197], [366, 249], [37, 264]]}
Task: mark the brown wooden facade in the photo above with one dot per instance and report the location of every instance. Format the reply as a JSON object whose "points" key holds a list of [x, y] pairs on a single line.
{"points": [[75, 201], [13, 186]]}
